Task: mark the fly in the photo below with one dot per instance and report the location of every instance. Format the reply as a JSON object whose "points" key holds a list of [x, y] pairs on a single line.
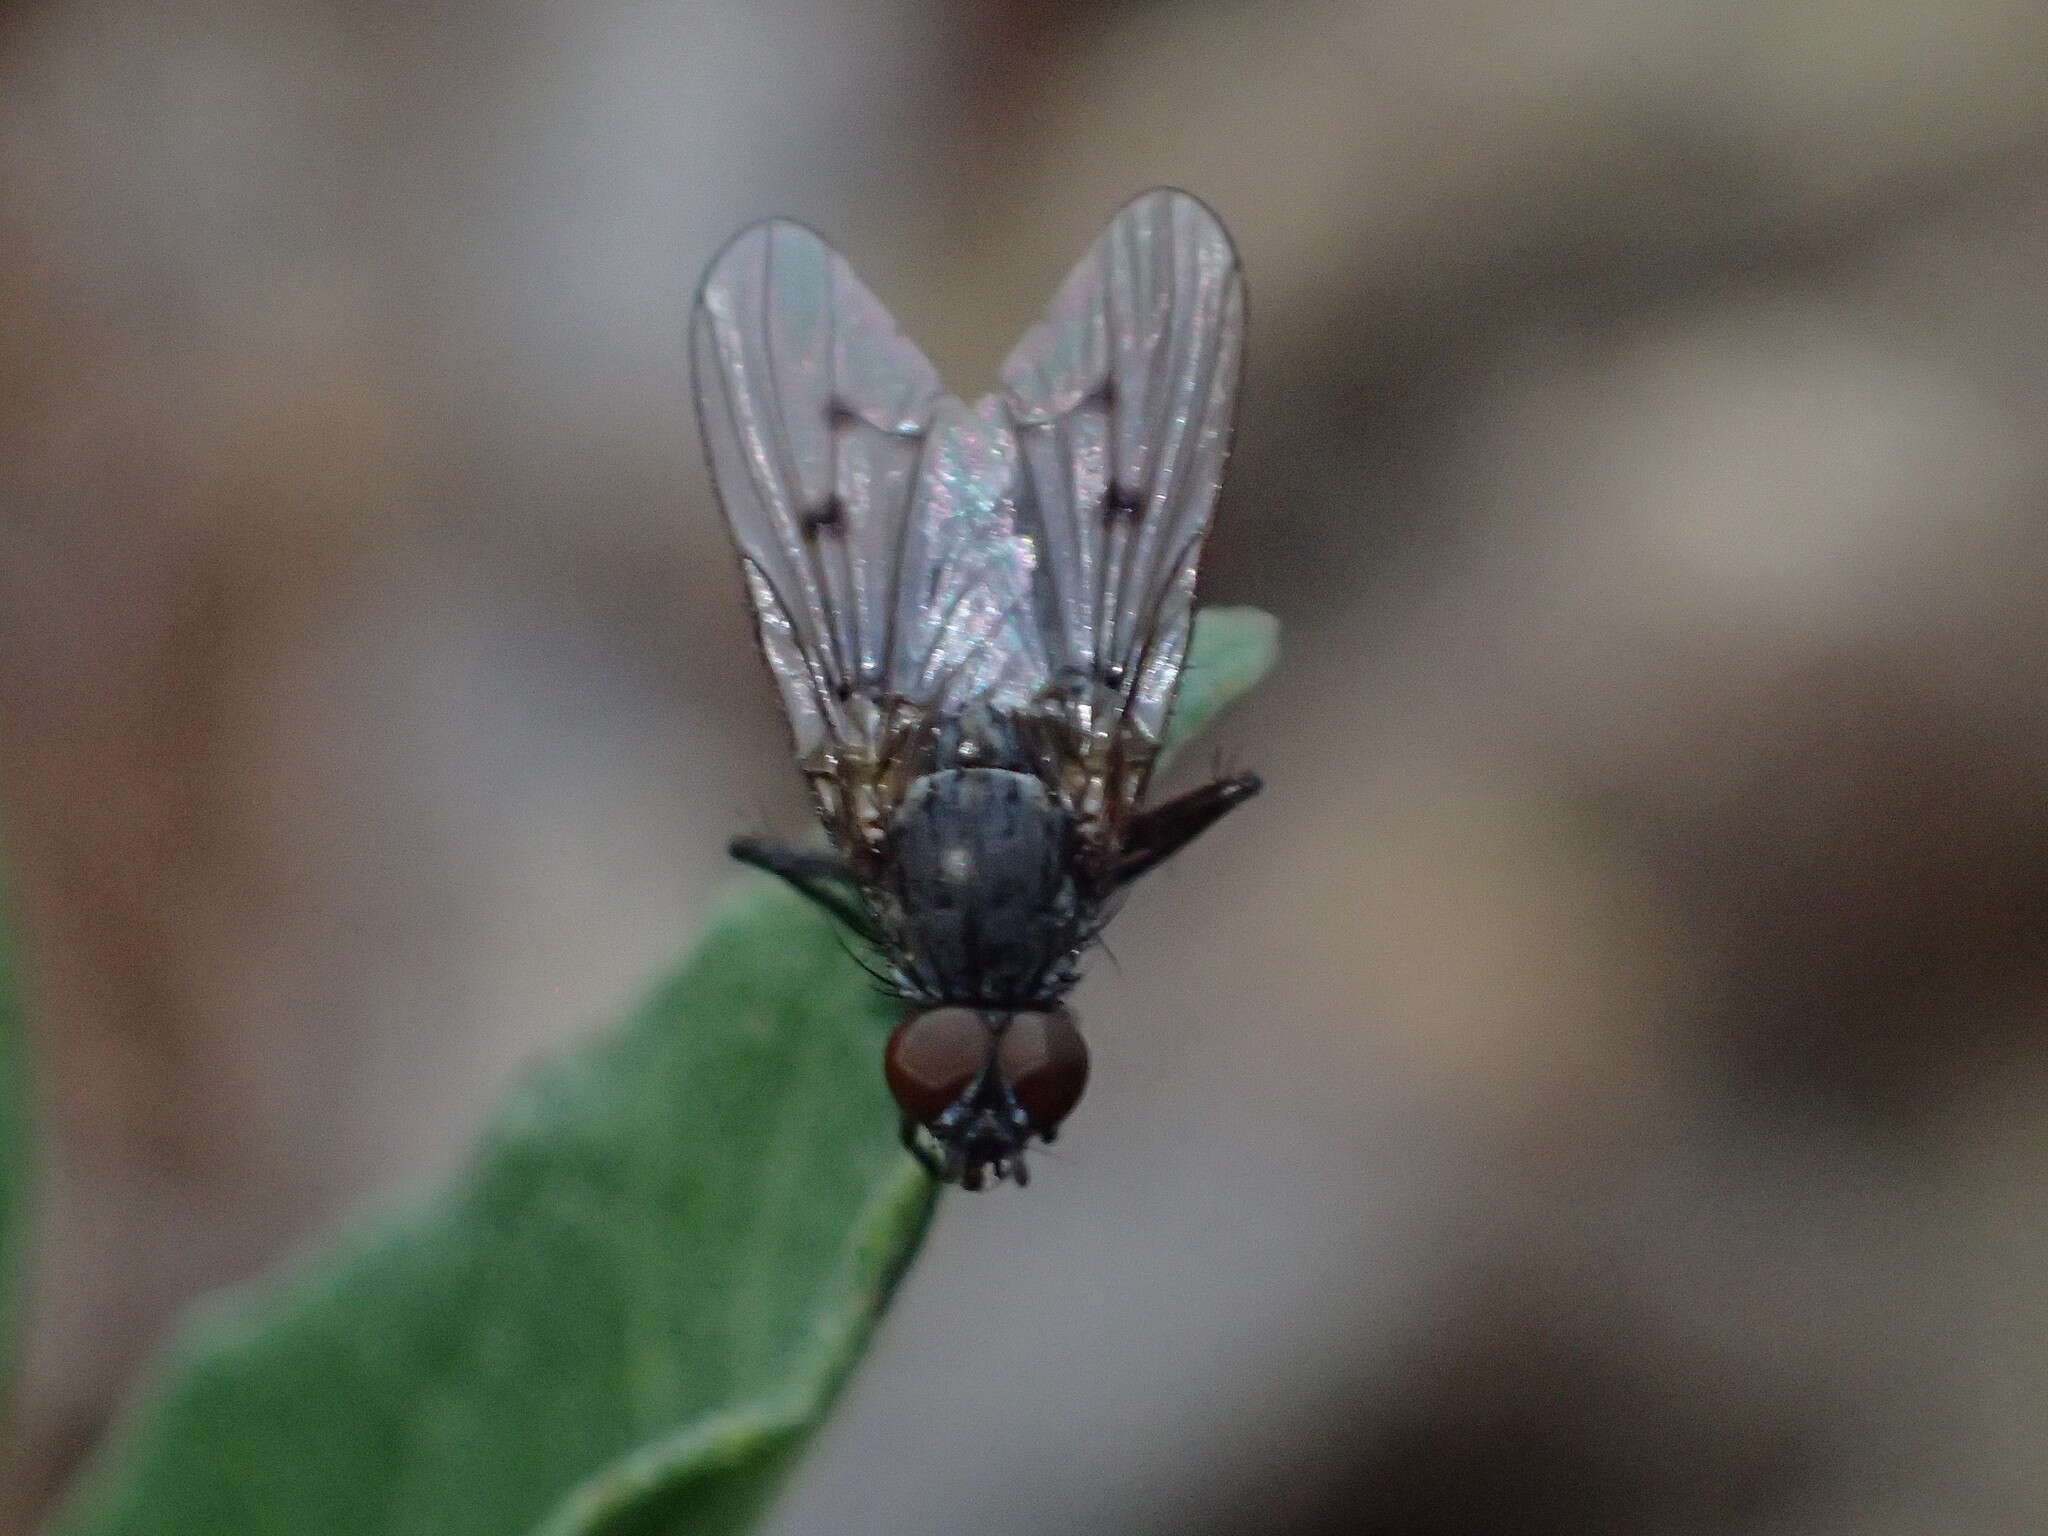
{"points": [[977, 617]]}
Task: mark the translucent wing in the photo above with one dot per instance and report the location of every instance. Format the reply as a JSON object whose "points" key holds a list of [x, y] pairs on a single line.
{"points": [[1121, 401], [816, 411], [967, 624], [909, 557]]}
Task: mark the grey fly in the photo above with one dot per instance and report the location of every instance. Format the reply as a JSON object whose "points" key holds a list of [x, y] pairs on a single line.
{"points": [[977, 616]]}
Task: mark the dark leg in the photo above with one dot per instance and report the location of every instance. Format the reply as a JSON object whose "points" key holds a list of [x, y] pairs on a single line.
{"points": [[822, 877], [907, 1134], [1158, 834]]}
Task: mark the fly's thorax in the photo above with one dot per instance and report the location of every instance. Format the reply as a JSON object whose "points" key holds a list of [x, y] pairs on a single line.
{"points": [[981, 876], [981, 737]]}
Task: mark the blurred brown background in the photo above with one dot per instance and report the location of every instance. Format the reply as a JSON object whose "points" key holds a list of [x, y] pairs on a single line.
{"points": [[1597, 1089]]}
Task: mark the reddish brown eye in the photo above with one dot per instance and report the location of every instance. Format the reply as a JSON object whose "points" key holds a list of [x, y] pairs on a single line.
{"points": [[933, 1058], [1045, 1062]]}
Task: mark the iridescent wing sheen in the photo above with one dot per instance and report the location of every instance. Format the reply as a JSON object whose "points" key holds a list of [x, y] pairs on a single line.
{"points": [[967, 618], [816, 413], [1120, 401]]}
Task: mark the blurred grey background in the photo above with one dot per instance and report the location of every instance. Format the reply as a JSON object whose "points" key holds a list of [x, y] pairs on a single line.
{"points": [[1597, 1089]]}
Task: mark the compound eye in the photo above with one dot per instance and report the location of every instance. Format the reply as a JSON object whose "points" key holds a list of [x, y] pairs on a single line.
{"points": [[934, 1058], [1045, 1062]]}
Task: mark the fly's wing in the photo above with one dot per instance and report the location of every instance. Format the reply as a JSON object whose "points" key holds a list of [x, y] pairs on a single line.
{"points": [[1121, 402], [876, 520], [816, 411], [967, 616]]}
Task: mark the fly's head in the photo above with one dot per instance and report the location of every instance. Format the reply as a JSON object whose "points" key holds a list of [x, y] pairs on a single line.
{"points": [[981, 1083]]}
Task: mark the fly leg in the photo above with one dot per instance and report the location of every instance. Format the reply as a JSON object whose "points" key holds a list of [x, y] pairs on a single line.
{"points": [[906, 1133], [1156, 835], [823, 878]]}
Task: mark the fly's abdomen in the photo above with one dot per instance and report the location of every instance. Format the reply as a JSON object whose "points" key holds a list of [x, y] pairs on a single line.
{"points": [[981, 870]]}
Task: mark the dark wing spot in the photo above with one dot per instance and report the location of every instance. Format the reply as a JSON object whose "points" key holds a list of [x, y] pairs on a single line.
{"points": [[1118, 502], [831, 516], [1107, 392], [1112, 677], [838, 414]]}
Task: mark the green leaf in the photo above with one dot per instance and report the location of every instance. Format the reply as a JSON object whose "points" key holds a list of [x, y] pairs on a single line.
{"points": [[630, 1311], [1232, 651], [16, 1165]]}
